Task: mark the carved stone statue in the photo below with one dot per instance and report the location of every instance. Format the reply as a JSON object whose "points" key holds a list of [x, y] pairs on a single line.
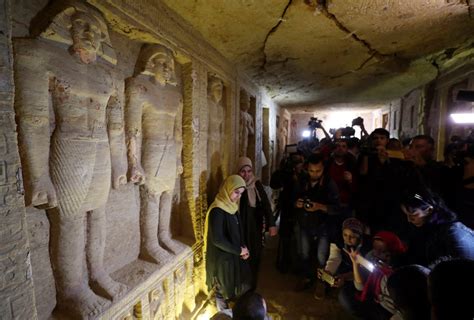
{"points": [[246, 123], [282, 139], [71, 138], [293, 131], [215, 144], [154, 137]]}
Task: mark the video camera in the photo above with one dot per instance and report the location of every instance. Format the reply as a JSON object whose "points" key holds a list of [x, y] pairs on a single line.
{"points": [[358, 121], [314, 123], [347, 132]]}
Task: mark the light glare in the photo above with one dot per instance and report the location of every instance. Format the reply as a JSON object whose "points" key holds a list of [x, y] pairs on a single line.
{"points": [[463, 117], [306, 133]]}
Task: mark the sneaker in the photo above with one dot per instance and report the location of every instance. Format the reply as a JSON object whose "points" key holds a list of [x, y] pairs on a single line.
{"points": [[320, 291], [304, 284]]}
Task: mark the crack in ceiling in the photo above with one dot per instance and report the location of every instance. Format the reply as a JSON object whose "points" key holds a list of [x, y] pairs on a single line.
{"points": [[272, 30], [334, 51]]}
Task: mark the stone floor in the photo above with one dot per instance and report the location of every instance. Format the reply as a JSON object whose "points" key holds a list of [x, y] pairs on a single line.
{"points": [[284, 302]]}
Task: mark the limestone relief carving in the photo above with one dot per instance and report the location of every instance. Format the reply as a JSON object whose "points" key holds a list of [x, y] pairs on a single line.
{"points": [[189, 298], [179, 290], [282, 139], [72, 149], [216, 135], [154, 139], [246, 128], [156, 300], [293, 131], [160, 301]]}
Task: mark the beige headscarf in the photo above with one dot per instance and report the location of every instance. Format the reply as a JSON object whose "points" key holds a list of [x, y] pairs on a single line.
{"points": [[252, 192], [223, 201]]}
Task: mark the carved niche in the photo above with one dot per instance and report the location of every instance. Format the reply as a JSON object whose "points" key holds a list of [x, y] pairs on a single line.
{"points": [[216, 134], [246, 125], [154, 104]]}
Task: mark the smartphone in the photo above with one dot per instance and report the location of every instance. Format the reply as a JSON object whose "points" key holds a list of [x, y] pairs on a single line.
{"points": [[326, 277], [397, 154]]}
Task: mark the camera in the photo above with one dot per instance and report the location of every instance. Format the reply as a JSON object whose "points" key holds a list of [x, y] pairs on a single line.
{"points": [[326, 277], [357, 121], [347, 132], [314, 123], [307, 203]]}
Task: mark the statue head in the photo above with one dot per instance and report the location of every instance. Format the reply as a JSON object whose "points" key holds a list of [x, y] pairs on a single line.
{"points": [[157, 61], [215, 88], [78, 25], [87, 33], [244, 101]]}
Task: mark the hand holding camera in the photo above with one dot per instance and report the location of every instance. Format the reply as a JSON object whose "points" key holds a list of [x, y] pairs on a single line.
{"points": [[358, 122], [314, 123]]}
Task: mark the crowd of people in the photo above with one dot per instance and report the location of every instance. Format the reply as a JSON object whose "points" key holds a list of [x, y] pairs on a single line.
{"points": [[375, 218]]}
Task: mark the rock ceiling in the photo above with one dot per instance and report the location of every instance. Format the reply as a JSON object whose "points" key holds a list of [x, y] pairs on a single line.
{"points": [[316, 52]]}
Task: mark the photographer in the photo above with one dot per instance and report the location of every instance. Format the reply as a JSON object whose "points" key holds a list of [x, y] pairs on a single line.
{"points": [[381, 181], [317, 201], [342, 169]]}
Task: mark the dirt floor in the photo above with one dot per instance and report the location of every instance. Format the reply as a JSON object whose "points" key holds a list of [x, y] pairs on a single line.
{"points": [[284, 302]]}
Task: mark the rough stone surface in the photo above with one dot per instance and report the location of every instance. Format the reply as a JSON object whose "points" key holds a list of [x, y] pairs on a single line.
{"points": [[310, 53], [17, 300]]}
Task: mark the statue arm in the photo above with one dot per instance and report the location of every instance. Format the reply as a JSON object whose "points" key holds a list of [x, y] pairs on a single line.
{"points": [[34, 130], [178, 135], [251, 126], [116, 140], [133, 124]]}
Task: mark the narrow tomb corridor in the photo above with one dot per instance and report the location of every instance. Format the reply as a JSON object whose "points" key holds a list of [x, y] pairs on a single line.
{"points": [[305, 159]]}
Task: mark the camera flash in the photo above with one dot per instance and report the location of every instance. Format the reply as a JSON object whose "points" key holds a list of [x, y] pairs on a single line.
{"points": [[306, 134]]}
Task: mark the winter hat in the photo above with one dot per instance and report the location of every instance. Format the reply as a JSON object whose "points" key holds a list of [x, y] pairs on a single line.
{"points": [[353, 224], [392, 241]]}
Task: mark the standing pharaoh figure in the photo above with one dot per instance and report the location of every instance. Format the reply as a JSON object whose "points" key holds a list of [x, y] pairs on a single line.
{"points": [[154, 137], [71, 138], [282, 139], [246, 123], [215, 134]]}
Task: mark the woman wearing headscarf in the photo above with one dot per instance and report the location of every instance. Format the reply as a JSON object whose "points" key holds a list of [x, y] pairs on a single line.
{"points": [[255, 211], [223, 245]]}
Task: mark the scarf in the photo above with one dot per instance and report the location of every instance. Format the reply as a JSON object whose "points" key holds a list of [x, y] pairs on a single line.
{"points": [[223, 201], [252, 193], [372, 287]]}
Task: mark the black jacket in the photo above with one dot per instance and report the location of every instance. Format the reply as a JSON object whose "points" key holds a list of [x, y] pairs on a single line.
{"points": [[223, 262]]}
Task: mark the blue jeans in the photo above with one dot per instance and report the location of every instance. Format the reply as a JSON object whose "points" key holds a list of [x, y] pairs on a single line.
{"points": [[310, 243]]}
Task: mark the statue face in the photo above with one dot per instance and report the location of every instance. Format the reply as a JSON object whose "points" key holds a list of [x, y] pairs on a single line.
{"points": [[87, 36], [162, 67], [216, 91], [245, 105]]}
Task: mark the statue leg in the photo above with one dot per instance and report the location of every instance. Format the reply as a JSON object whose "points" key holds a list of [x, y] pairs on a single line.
{"points": [[165, 224], [100, 280], [74, 297], [149, 214]]}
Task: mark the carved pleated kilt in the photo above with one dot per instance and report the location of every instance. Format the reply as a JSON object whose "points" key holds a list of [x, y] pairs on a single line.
{"points": [[81, 174], [159, 163]]}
